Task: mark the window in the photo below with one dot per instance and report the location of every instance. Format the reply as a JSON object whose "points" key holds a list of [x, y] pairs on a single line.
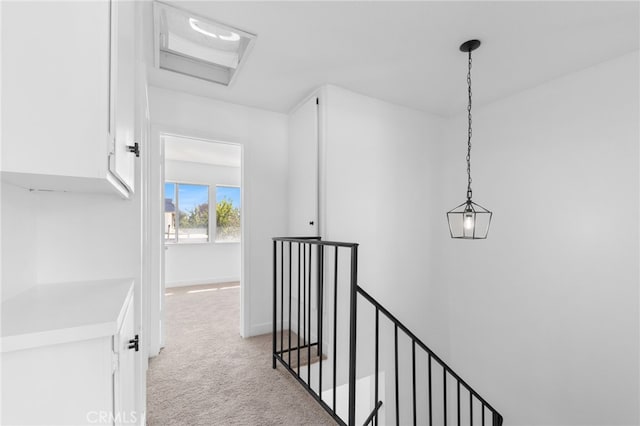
{"points": [[186, 213], [227, 213]]}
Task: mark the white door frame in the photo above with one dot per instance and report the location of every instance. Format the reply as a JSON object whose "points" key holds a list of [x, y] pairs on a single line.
{"points": [[155, 215]]}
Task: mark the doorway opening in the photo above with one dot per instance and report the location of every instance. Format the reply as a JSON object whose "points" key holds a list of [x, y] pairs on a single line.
{"points": [[202, 219]]}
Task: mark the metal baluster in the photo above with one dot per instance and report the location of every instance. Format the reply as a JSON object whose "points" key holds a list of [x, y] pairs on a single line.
{"points": [[444, 386], [353, 300], [309, 321], [320, 311], [335, 323], [376, 362], [281, 296], [483, 407], [413, 367], [299, 300], [430, 415], [395, 345], [304, 297], [275, 281], [470, 408], [458, 402], [290, 262]]}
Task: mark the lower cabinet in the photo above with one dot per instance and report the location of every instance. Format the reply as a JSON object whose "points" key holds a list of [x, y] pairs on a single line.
{"points": [[125, 345], [87, 381]]}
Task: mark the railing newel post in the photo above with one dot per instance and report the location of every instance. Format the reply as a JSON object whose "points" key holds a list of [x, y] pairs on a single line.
{"points": [[275, 280], [352, 335]]}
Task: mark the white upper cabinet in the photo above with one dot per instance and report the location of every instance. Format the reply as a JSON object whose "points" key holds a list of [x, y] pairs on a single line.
{"points": [[68, 95]]}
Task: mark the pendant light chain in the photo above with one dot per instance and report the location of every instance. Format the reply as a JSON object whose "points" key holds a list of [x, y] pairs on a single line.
{"points": [[469, 192]]}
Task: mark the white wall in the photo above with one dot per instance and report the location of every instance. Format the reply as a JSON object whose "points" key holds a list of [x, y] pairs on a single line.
{"points": [[543, 317], [544, 314], [200, 263], [264, 138], [86, 236], [378, 191]]}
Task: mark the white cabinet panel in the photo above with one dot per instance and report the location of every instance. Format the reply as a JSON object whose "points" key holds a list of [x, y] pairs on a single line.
{"points": [[121, 162], [124, 377], [64, 384], [58, 107], [303, 170]]}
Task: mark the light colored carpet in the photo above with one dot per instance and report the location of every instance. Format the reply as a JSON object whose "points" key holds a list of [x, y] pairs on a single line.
{"points": [[208, 375]]}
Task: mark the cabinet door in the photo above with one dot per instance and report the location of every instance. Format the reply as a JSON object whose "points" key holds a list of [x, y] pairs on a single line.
{"points": [[303, 170], [122, 122], [124, 380], [55, 75]]}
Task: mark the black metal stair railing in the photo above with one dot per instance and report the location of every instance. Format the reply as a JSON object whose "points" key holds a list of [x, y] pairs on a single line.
{"points": [[299, 273]]}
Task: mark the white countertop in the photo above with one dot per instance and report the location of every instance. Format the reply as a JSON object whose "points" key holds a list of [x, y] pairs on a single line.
{"points": [[50, 314]]}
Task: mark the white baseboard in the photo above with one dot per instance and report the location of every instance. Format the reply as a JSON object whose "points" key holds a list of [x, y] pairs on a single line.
{"points": [[201, 282]]}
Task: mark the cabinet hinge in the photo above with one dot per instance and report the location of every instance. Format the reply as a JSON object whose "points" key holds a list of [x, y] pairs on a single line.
{"points": [[115, 362], [133, 343], [135, 149]]}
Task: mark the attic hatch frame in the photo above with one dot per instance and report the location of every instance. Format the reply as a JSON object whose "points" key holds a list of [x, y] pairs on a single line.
{"points": [[191, 66]]}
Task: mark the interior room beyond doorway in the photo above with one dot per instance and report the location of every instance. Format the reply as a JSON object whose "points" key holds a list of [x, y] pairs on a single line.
{"points": [[202, 212]]}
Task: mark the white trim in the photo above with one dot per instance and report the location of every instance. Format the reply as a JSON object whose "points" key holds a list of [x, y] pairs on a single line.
{"points": [[202, 282], [323, 96], [245, 274]]}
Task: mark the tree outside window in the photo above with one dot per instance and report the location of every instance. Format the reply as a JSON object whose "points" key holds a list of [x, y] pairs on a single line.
{"points": [[227, 213]]}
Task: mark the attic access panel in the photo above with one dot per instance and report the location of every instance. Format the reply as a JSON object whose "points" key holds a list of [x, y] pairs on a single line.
{"points": [[198, 47]]}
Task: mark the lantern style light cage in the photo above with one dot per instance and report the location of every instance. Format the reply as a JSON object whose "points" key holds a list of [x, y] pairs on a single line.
{"points": [[469, 221]]}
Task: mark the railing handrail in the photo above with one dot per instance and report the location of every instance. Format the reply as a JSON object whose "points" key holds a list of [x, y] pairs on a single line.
{"points": [[315, 241], [420, 343]]}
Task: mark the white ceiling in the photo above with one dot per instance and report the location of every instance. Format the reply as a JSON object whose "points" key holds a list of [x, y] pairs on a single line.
{"points": [[407, 52], [199, 151]]}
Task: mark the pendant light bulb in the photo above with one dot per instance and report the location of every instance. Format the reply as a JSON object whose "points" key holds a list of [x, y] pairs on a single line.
{"points": [[469, 221]]}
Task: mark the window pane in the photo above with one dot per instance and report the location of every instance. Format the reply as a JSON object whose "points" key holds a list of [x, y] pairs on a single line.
{"points": [[227, 213], [193, 213], [170, 211]]}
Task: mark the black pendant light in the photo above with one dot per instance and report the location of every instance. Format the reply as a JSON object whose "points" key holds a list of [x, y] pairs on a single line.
{"points": [[469, 220]]}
